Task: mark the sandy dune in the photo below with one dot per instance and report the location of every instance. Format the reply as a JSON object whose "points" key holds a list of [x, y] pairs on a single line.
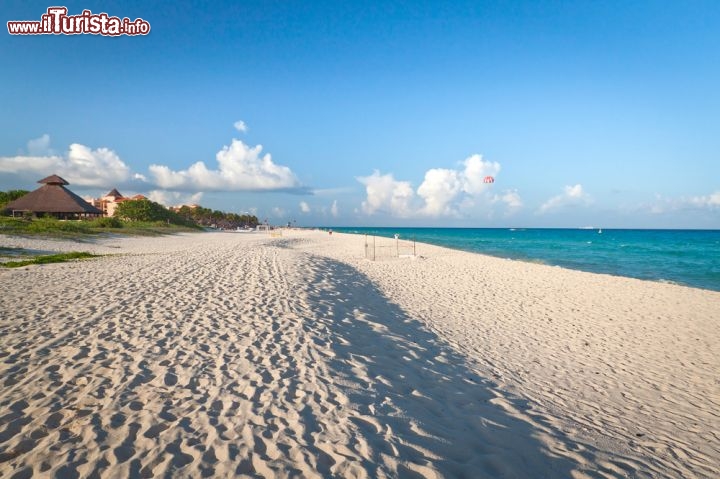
{"points": [[223, 355]]}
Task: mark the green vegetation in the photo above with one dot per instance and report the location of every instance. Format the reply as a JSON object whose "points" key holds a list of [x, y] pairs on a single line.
{"points": [[149, 211], [107, 222], [43, 227], [51, 227], [8, 196], [132, 217], [51, 258], [217, 219]]}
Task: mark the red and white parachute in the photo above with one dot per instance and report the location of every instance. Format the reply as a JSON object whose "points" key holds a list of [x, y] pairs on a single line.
{"points": [[488, 179]]}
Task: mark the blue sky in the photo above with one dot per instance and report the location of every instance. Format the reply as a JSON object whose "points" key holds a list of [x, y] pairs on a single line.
{"points": [[379, 113]]}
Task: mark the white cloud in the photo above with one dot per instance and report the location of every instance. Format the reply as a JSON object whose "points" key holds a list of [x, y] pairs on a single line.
{"points": [[279, 212], [40, 146], [334, 209], [708, 201], [384, 193], [511, 199], [447, 191], [473, 176], [439, 190], [342, 190], [99, 167], [240, 168], [571, 196], [240, 126], [304, 207], [37, 165], [81, 165], [665, 205], [174, 198], [443, 191]]}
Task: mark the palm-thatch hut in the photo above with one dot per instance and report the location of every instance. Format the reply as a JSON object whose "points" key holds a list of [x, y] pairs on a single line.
{"points": [[53, 199]]}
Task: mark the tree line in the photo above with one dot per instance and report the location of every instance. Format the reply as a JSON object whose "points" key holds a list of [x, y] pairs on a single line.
{"points": [[8, 196], [217, 219], [146, 210], [150, 211]]}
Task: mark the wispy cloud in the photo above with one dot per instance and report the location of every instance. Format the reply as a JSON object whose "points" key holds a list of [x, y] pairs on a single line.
{"points": [[40, 146], [511, 199], [304, 207], [174, 198], [571, 196], [240, 126], [342, 190], [710, 202]]}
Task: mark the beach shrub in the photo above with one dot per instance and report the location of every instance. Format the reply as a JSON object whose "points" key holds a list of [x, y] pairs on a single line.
{"points": [[107, 222], [144, 210], [52, 225], [52, 258], [8, 196]]}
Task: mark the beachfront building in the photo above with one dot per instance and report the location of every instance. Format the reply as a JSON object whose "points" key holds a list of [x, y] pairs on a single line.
{"points": [[178, 209], [109, 203], [53, 199]]}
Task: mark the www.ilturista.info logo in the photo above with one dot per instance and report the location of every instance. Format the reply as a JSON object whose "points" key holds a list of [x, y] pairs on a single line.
{"points": [[57, 22]]}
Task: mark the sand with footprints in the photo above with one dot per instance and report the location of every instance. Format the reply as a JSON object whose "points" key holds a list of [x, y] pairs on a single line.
{"points": [[245, 355]]}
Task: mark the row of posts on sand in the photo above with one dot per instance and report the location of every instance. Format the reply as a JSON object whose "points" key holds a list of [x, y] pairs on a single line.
{"points": [[372, 248]]}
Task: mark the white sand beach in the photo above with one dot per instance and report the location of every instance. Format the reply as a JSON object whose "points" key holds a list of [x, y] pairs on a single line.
{"points": [[245, 355]]}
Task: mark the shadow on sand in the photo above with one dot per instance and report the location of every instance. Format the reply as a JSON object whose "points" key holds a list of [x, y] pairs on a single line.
{"points": [[416, 403]]}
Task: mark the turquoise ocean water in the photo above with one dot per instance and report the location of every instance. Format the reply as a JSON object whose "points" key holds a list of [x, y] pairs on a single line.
{"points": [[687, 257]]}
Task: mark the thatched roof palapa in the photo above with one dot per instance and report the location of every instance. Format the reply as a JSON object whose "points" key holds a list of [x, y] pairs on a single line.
{"points": [[54, 180], [53, 198]]}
